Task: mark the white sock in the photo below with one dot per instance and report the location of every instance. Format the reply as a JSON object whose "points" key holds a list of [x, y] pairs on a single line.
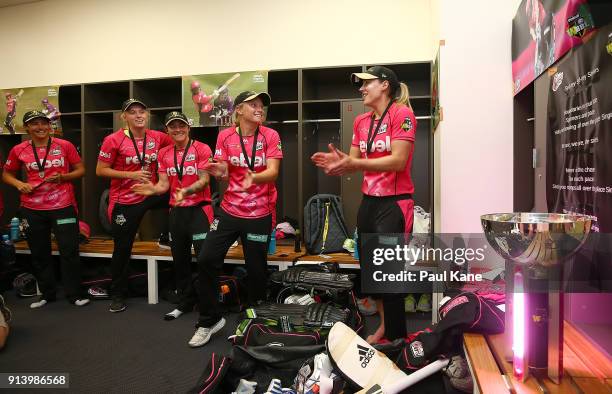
{"points": [[38, 304], [81, 302], [174, 314], [246, 387]]}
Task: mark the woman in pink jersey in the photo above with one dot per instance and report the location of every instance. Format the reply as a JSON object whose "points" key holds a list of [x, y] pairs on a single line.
{"points": [[382, 147], [181, 170], [128, 157], [249, 156], [48, 203]]}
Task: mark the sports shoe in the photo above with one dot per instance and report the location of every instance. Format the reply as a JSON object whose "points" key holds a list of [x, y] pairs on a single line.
{"points": [[5, 311], [39, 303], [203, 334], [118, 305], [367, 306], [164, 241], [410, 303], [173, 315], [98, 292], [424, 304], [81, 301]]}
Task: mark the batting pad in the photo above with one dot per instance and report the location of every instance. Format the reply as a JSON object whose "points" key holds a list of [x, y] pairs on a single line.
{"points": [[359, 362], [369, 369]]}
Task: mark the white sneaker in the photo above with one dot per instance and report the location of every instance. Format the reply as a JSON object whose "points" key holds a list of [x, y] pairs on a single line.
{"points": [[38, 304], [203, 334], [81, 302]]}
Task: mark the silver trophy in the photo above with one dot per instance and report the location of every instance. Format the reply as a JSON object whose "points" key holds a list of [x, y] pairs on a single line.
{"points": [[536, 246]]}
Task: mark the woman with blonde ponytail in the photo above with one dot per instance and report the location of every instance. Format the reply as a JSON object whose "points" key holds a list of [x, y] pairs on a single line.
{"points": [[382, 147]]}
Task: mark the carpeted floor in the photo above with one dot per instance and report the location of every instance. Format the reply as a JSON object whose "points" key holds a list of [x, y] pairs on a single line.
{"points": [[135, 351]]}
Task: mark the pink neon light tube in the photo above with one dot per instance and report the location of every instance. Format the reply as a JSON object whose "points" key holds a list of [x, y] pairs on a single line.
{"points": [[519, 334]]}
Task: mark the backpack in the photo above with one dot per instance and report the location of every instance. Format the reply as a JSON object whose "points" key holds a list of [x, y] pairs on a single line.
{"points": [[324, 227]]}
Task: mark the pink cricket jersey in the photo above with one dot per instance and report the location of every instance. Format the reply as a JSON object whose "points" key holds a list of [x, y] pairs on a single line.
{"points": [[62, 156], [258, 200], [398, 124], [196, 159]]}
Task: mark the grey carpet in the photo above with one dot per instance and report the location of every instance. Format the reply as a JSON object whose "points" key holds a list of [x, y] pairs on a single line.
{"points": [[130, 352]]}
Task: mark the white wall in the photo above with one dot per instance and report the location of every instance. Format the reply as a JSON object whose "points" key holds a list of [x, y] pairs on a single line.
{"points": [[475, 137], [67, 41]]}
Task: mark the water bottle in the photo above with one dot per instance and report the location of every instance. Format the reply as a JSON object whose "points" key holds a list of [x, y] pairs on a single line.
{"points": [[14, 229], [297, 247], [272, 244], [356, 239], [8, 251]]}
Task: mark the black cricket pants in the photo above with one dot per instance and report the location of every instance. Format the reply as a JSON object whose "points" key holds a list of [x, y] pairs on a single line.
{"points": [[387, 215], [188, 226], [224, 230], [65, 225], [125, 220]]}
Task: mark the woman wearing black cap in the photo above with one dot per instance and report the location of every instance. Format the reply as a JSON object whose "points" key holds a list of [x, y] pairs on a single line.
{"points": [[382, 147], [48, 203], [249, 156], [129, 156], [181, 170]]}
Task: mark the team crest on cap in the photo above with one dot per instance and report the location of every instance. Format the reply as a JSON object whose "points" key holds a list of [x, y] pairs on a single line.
{"points": [[407, 124]]}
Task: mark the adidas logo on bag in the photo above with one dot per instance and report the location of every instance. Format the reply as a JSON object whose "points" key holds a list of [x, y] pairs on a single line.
{"points": [[365, 355]]}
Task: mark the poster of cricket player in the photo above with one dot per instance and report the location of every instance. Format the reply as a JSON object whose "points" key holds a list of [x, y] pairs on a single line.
{"points": [[208, 100], [16, 102]]}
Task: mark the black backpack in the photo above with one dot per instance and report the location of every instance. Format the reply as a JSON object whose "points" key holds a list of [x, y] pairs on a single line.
{"points": [[324, 227]]}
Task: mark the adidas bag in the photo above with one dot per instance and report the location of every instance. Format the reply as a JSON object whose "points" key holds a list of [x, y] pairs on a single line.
{"points": [[324, 227]]}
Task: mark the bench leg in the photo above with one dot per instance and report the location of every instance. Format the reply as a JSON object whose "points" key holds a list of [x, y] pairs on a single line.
{"points": [[152, 281]]}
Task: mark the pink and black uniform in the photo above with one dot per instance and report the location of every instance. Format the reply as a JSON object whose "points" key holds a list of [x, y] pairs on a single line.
{"points": [[387, 204], [189, 219], [126, 209], [246, 214], [49, 206]]}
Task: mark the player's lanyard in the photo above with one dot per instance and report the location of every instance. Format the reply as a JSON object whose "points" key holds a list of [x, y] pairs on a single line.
{"points": [[372, 136], [141, 160], [41, 164], [250, 164], [179, 170]]}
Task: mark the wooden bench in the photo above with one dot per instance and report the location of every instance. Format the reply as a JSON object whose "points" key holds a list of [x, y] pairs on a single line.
{"points": [[587, 369], [150, 252]]}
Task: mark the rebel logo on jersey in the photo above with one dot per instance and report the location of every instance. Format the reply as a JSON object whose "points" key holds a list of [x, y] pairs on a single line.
{"points": [[57, 163]]}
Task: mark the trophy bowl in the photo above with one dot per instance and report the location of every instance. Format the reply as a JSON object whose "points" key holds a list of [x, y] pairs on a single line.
{"points": [[532, 239]]}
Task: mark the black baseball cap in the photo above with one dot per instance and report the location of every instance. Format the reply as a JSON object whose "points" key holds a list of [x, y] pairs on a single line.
{"points": [[131, 101], [249, 95], [31, 115], [377, 72], [176, 115]]}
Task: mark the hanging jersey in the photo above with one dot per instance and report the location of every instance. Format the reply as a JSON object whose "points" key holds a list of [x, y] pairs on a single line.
{"points": [[259, 200], [195, 159], [61, 157], [118, 151], [398, 124]]}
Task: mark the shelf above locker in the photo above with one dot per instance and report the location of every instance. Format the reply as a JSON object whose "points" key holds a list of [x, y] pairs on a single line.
{"points": [[106, 96], [329, 83], [159, 93]]}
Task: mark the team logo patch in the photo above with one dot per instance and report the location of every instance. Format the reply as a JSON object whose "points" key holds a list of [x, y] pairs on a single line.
{"points": [[259, 145], [257, 237], [557, 81], [407, 124], [279, 146], [609, 45], [190, 157], [214, 224], [120, 219], [56, 152], [581, 23], [416, 348], [151, 145]]}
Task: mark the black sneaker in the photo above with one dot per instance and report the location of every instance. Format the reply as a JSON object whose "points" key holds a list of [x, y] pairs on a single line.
{"points": [[118, 305], [4, 310], [164, 241]]}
